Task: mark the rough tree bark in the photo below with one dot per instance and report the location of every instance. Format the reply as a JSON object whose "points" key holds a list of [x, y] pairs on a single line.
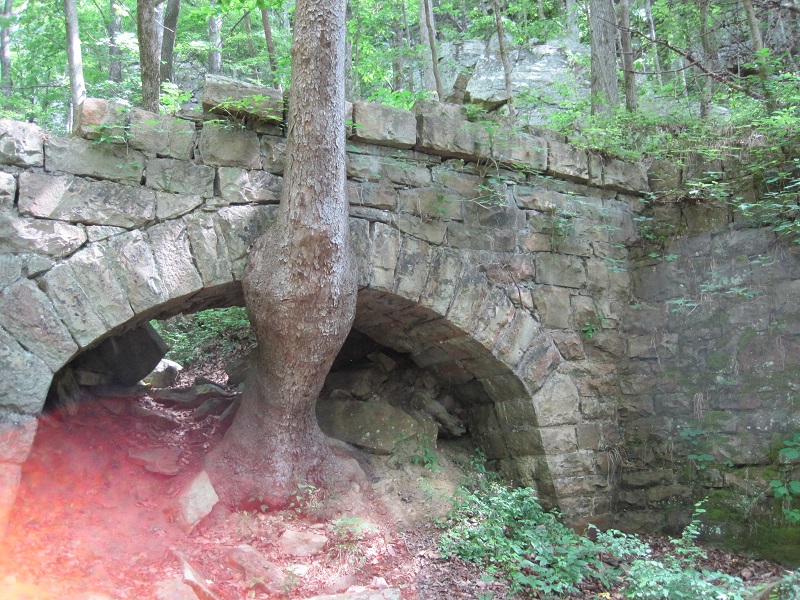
{"points": [[427, 29], [149, 53], [75, 59], [602, 22], [501, 42], [299, 286], [171, 13]]}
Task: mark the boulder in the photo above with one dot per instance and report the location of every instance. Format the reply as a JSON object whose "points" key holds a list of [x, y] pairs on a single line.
{"points": [[163, 461], [373, 426], [165, 374], [226, 96], [174, 589], [196, 501], [301, 543], [21, 144]]}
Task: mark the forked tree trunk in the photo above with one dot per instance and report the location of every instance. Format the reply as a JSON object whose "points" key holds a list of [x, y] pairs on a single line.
{"points": [[299, 286]]}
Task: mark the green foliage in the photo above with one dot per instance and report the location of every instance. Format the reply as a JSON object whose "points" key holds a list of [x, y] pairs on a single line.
{"points": [[789, 489], [307, 501], [222, 330], [347, 535], [508, 532], [425, 455]]}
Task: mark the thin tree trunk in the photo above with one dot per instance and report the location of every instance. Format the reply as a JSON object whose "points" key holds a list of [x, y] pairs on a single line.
{"points": [[149, 53], [299, 286], [270, 45], [648, 7], [602, 22], [171, 14], [571, 9], [407, 29], [215, 41], [6, 82], [397, 58], [113, 28], [758, 49], [75, 60], [501, 41], [707, 90], [428, 32], [631, 94]]}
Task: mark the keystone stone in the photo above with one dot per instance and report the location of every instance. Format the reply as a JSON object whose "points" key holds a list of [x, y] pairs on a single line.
{"points": [[174, 258]]}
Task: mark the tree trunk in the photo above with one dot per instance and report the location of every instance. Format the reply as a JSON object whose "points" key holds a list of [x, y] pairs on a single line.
{"points": [[501, 40], [570, 7], [171, 14], [215, 40], [5, 50], [602, 23], [113, 28], [75, 62], [631, 94], [149, 53], [427, 27], [270, 46], [299, 286], [707, 90], [758, 49], [648, 7]]}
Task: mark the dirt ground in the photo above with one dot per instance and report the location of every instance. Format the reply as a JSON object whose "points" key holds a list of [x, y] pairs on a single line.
{"points": [[89, 520]]}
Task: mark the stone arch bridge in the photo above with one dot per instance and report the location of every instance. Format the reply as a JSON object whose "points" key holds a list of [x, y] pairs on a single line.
{"points": [[483, 254]]}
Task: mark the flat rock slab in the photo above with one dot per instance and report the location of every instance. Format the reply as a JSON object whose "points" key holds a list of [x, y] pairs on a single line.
{"points": [[155, 418], [301, 543], [163, 461], [191, 397], [257, 569]]}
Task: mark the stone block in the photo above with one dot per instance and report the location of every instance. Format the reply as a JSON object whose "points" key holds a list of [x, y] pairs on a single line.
{"points": [[384, 125], [569, 344], [240, 227], [516, 412], [467, 300], [135, 268], [520, 150], [29, 316], [26, 378], [16, 436], [664, 176], [558, 440], [567, 161], [430, 231], [73, 305], [372, 195], [229, 146], [386, 250], [413, 266], [21, 144], [49, 238], [560, 269], [169, 206], [226, 96], [445, 273], [557, 402], [702, 218], [539, 361], [10, 477], [491, 319], [67, 198], [459, 179], [101, 119], [406, 172], [239, 186], [523, 442], [174, 260], [431, 203], [8, 191], [93, 272], [273, 154], [521, 333], [615, 174], [553, 306], [495, 213], [452, 137], [209, 249], [362, 248], [77, 156], [471, 237], [180, 177], [128, 357], [161, 135]]}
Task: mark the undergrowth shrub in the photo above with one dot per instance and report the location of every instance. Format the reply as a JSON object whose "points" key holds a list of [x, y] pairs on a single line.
{"points": [[224, 331], [507, 532]]}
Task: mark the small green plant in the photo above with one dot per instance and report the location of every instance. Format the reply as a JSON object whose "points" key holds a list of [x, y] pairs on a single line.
{"points": [[307, 501], [425, 455], [172, 98], [591, 327], [788, 490], [347, 535]]}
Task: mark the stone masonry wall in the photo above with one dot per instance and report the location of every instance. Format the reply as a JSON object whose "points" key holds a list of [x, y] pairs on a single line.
{"points": [[712, 370], [495, 257]]}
